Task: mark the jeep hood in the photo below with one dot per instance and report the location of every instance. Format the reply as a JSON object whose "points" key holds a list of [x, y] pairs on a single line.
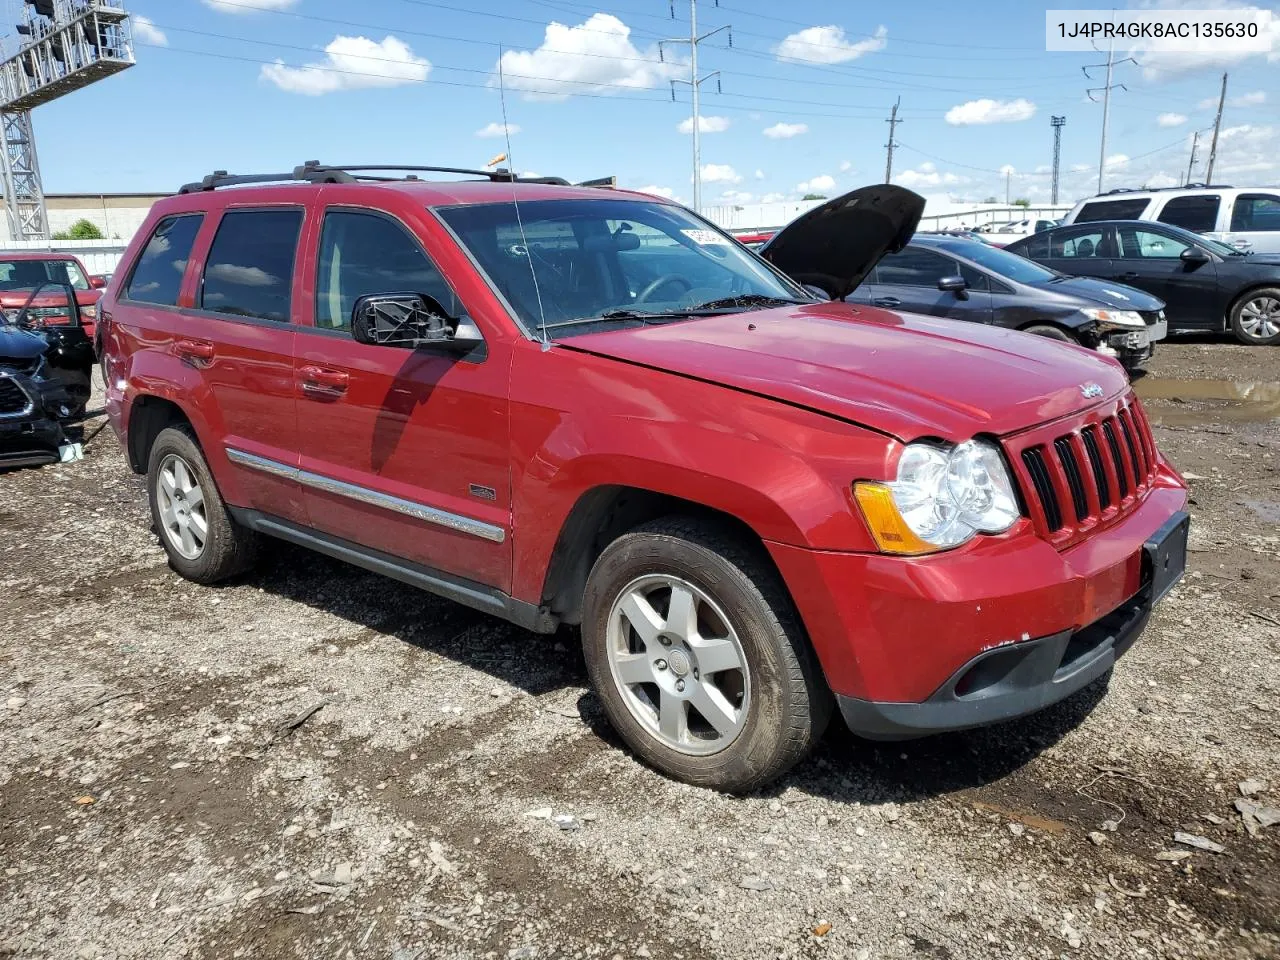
{"points": [[834, 246], [905, 375]]}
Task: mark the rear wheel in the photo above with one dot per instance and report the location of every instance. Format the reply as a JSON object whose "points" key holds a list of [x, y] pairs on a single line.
{"points": [[202, 540], [1255, 317], [699, 657], [1051, 332]]}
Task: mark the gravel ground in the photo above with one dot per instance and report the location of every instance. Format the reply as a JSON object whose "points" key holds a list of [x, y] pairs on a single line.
{"points": [[457, 794]]}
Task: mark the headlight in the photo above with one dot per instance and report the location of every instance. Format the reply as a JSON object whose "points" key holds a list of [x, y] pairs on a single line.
{"points": [[1115, 319], [942, 497]]}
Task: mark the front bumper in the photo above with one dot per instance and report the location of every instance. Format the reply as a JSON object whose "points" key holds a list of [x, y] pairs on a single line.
{"points": [[896, 630]]}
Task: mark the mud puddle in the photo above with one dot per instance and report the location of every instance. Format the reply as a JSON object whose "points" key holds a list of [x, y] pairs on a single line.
{"points": [[1176, 402]]}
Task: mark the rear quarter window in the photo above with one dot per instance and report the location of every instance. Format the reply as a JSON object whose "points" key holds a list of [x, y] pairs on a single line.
{"points": [[1112, 210], [157, 276], [1198, 213]]}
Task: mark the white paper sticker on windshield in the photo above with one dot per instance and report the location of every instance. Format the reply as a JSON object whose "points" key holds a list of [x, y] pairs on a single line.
{"points": [[706, 238]]}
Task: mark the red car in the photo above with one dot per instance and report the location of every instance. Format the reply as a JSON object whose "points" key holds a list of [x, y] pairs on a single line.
{"points": [[567, 405], [21, 273]]}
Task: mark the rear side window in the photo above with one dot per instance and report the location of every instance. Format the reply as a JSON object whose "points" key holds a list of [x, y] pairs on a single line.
{"points": [[1073, 244], [1111, 210], [915, 267], [157, 276], [1033, 248], [1198, 213], [363, 254], [250, 268], [1256, 212]]}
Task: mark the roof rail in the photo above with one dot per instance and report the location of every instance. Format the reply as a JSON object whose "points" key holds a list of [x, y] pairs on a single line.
{"points": [[313, 171], [1202, 186]]}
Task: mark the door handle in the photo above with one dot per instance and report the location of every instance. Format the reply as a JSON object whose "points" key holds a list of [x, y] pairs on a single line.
{"points": [[323, 380], [194, 349], [886, 301]]}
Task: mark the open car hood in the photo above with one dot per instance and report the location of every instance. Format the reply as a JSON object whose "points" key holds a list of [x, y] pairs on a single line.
{"points": [[834, 246]]}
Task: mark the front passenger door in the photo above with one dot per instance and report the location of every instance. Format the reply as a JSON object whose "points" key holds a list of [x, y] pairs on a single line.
{"points": [[908, 281], [402, 450], [1150, 260]]}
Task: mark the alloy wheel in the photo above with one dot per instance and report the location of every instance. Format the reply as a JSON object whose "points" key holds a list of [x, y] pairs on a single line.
{"points": [[678, 663], [181, 506], [1260, 318]]}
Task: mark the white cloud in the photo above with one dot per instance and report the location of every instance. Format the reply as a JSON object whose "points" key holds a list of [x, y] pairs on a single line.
{"points": [[498, 130], [1161, 64], [927, 175], [1008, 170], [247, 6], [595, 57], [759, 174], [827, 45], [352, 63], [822, 183], [991, 111], [1254, 99], [785, 131], [736, 197], [773, 198], [1117, 161], [719, 173], [705, 125], [1171, 119], [846, 166], [243, 276], [146, 31], [665, 192], [1080, 167]]}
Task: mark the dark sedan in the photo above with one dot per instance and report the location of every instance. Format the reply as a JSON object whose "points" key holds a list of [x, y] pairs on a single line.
{"points": [[967, 280], [1206, 284]]}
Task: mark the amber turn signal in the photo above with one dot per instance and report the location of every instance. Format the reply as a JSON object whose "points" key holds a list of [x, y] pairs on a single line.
{"points": [[891, 533]]}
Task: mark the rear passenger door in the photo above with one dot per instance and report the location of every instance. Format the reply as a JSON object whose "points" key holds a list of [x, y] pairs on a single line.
{"points": [[402, 451], [240, 336], [1082, 251], [908, 280], [1255, 223]]}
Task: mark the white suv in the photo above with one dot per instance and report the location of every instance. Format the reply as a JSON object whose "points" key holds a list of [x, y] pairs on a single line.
{"points": [[1248, 219]]}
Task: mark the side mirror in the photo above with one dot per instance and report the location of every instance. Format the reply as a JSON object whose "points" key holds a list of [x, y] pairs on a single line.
{"points": [[97, 282], [1193, 254], [956, 285], [411, 320]]}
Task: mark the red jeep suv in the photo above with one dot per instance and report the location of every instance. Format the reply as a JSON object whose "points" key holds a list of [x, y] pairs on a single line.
{"points": [[569, 405]]}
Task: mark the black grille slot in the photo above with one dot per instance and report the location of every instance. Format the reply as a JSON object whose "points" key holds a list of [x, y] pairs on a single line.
{"points": [[1135, 451], [1090, 437], [1122, 475], [1033, 459], [1075, 482], [12, 399]]}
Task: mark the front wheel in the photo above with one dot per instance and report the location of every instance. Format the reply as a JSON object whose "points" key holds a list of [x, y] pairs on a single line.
{"points": [[1051, 332], [699, 658], [1255, 318]]}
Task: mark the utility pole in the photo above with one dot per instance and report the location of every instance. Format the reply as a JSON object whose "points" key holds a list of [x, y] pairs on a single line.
{"points": [[893, 122], [1217, 125], [1195, 145], [695, 83], [1105, 90], [1057, 123], [1008, 179]]}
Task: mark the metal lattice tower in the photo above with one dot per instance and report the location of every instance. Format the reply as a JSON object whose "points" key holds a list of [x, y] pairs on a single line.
{"points": [[1057, 123], [65, 45]]}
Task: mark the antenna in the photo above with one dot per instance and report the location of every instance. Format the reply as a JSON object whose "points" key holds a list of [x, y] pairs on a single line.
{"points": [[515, 203]]}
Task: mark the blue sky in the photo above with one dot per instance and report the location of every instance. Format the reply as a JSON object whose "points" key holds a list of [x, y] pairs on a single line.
{"points": [[805, 89]]}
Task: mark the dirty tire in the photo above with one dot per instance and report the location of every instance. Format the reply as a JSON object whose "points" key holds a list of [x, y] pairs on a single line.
{"points": [[1255, 317], [789, 704], [229, 548], [1050, 332]]}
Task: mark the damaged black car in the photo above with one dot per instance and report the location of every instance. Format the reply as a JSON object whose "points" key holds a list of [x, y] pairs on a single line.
{"points": [[34, 401]]}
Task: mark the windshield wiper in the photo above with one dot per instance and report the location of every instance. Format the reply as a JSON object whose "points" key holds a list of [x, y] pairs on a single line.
{"points": [[609, 315], [745, 301]]}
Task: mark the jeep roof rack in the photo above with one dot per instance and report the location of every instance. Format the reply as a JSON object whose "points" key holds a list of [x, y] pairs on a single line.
{"points": [[313, 171], [1184, 186]]}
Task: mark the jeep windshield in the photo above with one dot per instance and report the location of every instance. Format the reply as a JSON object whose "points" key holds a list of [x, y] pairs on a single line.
{"points": [[568, 267]]}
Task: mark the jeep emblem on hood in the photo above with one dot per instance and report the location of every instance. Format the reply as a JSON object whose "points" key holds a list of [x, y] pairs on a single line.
{"points": [[1090, 390]]}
